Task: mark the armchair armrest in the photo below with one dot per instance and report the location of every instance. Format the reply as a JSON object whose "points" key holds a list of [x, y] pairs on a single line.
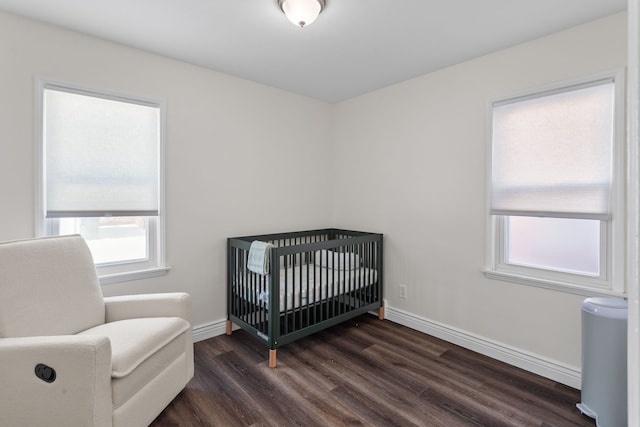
{"points": [[174, 304], [80, 394]]}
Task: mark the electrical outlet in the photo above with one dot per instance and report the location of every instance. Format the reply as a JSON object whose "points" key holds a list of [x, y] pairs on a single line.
{"points": [[402, 291]]}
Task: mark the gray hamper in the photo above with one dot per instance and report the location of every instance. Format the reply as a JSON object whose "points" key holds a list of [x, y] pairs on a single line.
{"points": [[604, 361]]}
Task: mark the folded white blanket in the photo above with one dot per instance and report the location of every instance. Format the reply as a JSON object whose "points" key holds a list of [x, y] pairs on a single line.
{"points": [[258, 260]]}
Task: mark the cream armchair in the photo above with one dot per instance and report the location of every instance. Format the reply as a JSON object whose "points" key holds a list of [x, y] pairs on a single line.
{"points": [[69, 357]]}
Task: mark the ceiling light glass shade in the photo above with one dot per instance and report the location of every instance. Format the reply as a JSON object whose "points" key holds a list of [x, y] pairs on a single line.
{"points": [[301, 12]]}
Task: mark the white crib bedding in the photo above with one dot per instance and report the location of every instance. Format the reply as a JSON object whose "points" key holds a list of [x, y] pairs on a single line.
{"points": [[302, 289]]}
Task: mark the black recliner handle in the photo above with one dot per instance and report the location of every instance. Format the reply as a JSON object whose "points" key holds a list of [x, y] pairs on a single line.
{"points": [[45, 373]]}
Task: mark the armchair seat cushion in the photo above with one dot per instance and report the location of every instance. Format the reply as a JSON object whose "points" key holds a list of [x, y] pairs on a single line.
{"points": [[141, 348], [134, 340]]}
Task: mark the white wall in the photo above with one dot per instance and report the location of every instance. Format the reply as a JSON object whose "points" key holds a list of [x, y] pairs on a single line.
{"points": [[407, 161], [415, 154], [633, 218], [237, 151]]}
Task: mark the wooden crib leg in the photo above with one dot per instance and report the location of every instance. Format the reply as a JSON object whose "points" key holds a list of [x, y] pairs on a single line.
{"points": [[272, 358], [381, 313], [229, 327]]}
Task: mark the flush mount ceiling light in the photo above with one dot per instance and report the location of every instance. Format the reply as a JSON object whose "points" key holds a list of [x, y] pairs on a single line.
{"points": [[301, 12]]}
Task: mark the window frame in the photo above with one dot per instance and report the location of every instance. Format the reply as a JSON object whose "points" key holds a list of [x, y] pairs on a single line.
{"points": [[612, 237], [155, 264]]}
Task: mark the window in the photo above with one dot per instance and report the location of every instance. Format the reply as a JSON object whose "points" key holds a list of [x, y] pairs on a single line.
{"points": [[556, 170], [100, 163]]}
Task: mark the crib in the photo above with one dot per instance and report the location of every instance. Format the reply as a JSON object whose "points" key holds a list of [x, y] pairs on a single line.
{"points": [[316, 279]]}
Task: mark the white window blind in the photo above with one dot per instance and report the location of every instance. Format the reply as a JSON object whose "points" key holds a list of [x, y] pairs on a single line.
{"points": [[101, 155], [552, 153]]}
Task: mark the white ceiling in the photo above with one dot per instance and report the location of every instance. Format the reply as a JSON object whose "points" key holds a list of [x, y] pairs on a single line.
{"points": [[354, 47]]}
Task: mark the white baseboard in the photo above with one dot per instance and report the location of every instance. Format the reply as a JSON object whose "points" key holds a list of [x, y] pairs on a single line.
{"points": [[210, 330], [531, 362]]}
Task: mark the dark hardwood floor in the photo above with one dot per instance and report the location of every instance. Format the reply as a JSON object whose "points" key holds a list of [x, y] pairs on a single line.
{"points": [[365, 372]]}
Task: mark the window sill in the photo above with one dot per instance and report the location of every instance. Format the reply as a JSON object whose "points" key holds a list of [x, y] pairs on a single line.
{"points": [[107, 279], [552, 285]]}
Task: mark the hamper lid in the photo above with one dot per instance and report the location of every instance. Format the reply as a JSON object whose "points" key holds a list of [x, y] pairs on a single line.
{"points": [[614, 308]]}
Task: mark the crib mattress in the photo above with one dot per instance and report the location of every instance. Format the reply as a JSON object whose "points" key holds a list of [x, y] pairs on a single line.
{"points": [[308, 283]]}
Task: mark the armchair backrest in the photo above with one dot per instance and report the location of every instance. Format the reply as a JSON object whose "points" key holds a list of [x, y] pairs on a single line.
{"points": [[48, 286]]}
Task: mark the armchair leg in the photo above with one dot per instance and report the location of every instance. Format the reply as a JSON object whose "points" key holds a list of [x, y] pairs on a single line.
{"points": [[381, 313]]}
